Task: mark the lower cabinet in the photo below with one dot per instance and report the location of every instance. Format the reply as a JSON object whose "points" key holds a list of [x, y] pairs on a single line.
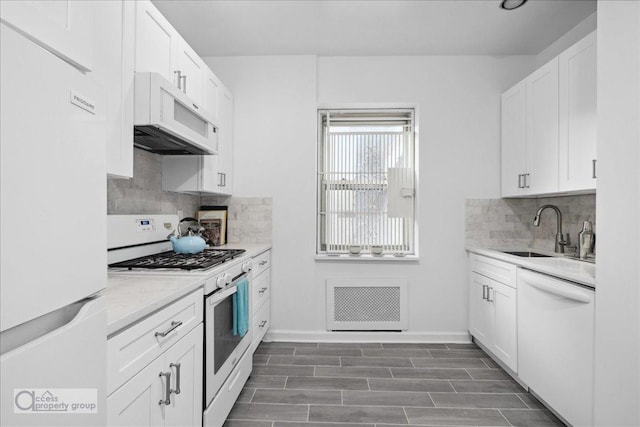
{"points": [[261, 298], [492, 314], [167, 392]]}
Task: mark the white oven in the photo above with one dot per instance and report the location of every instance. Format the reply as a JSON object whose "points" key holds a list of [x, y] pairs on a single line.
{"points": [[224, 344]]}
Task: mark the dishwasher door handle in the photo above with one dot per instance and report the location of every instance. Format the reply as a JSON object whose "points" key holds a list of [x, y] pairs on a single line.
{"points": [[573, 295]]}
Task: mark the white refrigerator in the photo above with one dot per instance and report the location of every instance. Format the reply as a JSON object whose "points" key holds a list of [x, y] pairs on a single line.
{"points": [[53, 234]]}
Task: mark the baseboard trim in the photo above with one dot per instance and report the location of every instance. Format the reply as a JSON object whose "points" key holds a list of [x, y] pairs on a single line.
{"points": [[357, 336]]}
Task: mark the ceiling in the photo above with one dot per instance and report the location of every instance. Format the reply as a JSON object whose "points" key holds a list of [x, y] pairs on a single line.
{"points": [[375, 27]]}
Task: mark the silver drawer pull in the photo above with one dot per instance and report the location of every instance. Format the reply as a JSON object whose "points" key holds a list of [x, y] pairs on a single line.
{"points": [[261, 291], [593, 168], [167, 400], [262, 263], [484, 291], [177, 366], [174, 325], [264, 322], [489, 299]]}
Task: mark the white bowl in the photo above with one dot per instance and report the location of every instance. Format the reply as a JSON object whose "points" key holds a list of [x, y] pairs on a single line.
{"points": [[377, 250], [355, 249]]}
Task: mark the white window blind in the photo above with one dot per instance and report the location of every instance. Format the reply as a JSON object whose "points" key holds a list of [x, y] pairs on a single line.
{"points": [[366, 181]]}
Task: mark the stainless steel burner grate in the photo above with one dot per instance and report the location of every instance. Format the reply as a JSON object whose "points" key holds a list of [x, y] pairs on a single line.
{"points": [[206, 259]]}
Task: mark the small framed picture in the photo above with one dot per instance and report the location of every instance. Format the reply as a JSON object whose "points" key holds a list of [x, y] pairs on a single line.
{"points": [[214, 221]]}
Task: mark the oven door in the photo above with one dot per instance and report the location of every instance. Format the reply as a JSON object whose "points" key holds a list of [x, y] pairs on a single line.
{"points": [[223, 349]]}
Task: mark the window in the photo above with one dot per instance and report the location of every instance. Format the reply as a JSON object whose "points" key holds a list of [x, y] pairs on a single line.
{"points": [[366, 181]]}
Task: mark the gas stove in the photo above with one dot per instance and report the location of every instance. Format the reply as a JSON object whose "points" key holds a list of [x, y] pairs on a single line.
{"points": [[207, 259]]}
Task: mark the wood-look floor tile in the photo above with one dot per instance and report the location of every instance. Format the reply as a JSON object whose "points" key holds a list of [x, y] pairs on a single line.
{"points": [[448, 363], [265, 381], [531, 418], [247, 423], [349, 345], [531, 401], [308, 424], [246, 395], [267, 411], [488, 374], [410, 385], [396, 352], [328, 351], [283, 370], [387, 398], [357, 414], [275, 350], [455, 417], [477, 400], [415, 345], [326, 383], [260, 359], [305, 360], [489, 386], [458, 354], [386, 362], [289, 344], [353, 371], [469, 346], [319, 397], [431, 373]]}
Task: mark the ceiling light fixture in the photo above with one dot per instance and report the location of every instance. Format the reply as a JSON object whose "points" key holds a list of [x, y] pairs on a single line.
{"points": [[511, 4]]}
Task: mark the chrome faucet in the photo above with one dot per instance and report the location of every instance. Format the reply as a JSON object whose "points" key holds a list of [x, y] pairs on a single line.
{"points": [[560, 242]]}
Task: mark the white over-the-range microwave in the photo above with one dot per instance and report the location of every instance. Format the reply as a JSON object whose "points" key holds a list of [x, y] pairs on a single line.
{"points": [[167, 121]]}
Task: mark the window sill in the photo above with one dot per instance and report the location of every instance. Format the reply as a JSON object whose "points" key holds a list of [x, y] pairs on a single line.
{"points": [[368, 258]]}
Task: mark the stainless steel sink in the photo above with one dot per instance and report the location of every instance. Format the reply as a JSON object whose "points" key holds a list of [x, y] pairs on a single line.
{"points": [[527, 254]]}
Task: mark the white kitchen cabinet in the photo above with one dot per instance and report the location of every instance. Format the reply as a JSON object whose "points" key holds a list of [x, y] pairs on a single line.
{"points": [[212, 90], [114, 70], [205, 174], [62, 27], [578, 116], [152, 398], [193, 72], [514, 139], [260, 297], [492, 309], [156, 42]]}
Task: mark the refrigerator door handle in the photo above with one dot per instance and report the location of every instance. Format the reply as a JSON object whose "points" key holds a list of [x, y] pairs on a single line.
{"points": [[56, 322]]}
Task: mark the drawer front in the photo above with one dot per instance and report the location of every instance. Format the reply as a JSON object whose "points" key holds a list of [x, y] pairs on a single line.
{"points": [[216, 414], [261, 323], [500, 271], [260, 290], [261, 263], [131, 350]]}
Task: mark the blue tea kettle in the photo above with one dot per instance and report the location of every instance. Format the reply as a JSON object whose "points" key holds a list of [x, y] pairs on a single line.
{"points": [[189, 243]]}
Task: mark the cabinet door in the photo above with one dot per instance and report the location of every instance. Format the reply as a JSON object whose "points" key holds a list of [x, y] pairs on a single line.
{"points": [[156, 42], [480, 317], [578, 116], [503, 300], [212, 89], [542, 130], [136, 403], [192, 69], [185, 358], [513, 140], [62, 27], [225, 159]]}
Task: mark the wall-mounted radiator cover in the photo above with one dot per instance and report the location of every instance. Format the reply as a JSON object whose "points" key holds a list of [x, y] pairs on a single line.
{"points": [[367, 304]]}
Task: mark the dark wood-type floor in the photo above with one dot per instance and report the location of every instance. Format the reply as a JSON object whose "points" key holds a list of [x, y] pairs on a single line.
{"points": [[381, 385]]}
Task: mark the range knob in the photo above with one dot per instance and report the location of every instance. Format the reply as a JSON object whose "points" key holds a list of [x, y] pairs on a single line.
{"points": [[221, 281], [247, 267], [228, 278]]}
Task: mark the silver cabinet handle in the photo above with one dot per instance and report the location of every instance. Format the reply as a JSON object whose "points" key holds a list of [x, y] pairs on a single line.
{"points": [[174, 325], [489, 289], [224, 179], [261, 291], [593, 168], [184, 84], [177, 366], [264, 322], [263, 262], [525, 176], [520, 181], [178, 75], [167, 400], [484, 291]]}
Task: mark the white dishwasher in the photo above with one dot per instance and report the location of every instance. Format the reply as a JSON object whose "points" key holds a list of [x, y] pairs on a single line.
{"points": [[556, 344]]}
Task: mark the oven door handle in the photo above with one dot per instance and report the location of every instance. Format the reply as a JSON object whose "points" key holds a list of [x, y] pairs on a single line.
{"points": [[216, 298]]}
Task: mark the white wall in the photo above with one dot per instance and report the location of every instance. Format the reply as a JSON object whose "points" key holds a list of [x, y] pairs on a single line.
{"points": [[617, 358], [458, 100]]}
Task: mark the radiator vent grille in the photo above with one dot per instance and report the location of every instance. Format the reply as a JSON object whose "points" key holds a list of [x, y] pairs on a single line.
{"points": [[366, 304]]}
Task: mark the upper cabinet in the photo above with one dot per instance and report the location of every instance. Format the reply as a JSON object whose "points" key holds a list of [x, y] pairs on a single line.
{"points": [[62, 27], [191, 69], [578, 116], [549, 126]]}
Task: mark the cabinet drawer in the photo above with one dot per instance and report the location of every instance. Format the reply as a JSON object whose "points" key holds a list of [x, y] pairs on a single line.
{"points": [[217, 412], [261, 263], [134, 348], [261, 289], [261, 323], [500, 271]]}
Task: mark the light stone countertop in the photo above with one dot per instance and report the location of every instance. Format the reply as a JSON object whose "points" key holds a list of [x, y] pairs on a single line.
{"points": [[557, 265], [130, 297]]}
